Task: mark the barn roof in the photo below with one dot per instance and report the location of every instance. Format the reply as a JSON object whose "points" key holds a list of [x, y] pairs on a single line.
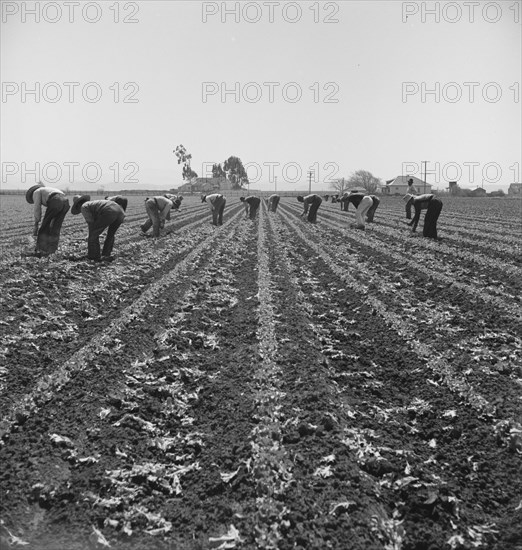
{"points": [[403, 180]]}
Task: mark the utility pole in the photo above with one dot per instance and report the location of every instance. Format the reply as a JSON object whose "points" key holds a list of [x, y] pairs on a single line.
{"points": [[275, 184], [310, 181], [425, 173]]}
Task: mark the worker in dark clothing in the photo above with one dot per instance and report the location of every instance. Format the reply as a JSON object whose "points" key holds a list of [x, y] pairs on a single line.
{"points": [[100, 215], [57, 206], [344, 201], [119, 199], [433, 207], [273, 202], [251, 205], [371, 211], [311, 205]]}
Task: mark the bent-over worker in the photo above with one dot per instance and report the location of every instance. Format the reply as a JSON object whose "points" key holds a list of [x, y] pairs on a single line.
{"points": [[365, 205], [217, 203], [57, 206], [273, 202], [251, 205], [100, 215], [433, 207], [311, 205], [158, 210]]}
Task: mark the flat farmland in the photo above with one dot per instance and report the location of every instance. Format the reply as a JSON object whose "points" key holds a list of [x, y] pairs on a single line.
{"points": [[264, 384]]}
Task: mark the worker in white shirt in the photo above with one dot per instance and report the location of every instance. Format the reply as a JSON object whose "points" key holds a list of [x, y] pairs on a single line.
{"points": [[176, 203], [57, 205], [217, 203], [158, 210], [412, 190]]}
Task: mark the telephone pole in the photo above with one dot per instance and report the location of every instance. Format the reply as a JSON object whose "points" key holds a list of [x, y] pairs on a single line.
{"points": [[310, 181], [275, 184], [425, 173]]}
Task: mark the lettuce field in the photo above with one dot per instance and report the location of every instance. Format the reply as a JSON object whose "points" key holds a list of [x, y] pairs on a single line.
{"points": [[265, 384]]}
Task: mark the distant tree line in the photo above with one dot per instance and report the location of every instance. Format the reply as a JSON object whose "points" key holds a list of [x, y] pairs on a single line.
{"points": [[360, 179]]}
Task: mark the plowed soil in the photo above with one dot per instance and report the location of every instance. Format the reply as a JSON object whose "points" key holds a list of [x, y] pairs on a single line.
{"points": [[269, 383]]}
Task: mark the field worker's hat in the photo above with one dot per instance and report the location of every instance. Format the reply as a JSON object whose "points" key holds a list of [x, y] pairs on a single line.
{"points": [[407, 197], [300, 198], [170, 197], [410, 181], [78, 200], [30, 191]]}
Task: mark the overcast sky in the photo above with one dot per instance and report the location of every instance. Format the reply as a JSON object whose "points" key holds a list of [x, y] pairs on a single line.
{"points": [[329, 86]]}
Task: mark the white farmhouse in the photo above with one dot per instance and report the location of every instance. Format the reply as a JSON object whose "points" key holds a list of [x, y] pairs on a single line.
{"points": [[399, 186]]}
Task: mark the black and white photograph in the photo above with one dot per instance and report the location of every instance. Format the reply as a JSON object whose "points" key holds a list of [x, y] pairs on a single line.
{"points": [[260, 275]]}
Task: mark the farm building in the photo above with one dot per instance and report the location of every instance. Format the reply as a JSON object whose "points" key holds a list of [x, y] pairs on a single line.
{"points": [[206, 185], [339, 186], [515, 189], [457, 191], [399, 185], [476, 192]]}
